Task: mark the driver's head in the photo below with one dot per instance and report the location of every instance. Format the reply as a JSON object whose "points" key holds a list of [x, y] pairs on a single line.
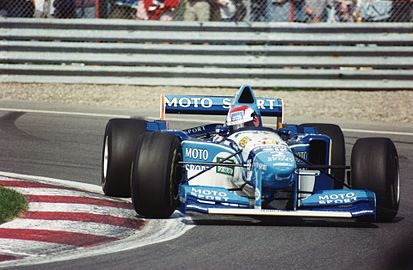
{"points": [[242, 116]]}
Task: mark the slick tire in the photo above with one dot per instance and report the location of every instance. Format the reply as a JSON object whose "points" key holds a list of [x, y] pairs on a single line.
{"points": [[375, 167], [156, 175], [119, 146], [338, 151]]}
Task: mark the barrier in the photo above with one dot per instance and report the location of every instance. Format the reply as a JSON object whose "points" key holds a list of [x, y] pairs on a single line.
{"points": [[270, 55]]}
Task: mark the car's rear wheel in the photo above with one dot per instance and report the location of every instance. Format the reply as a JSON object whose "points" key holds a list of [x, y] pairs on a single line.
{"points": [[156, 175], [338, 149], [118, 152], [375, 167]]}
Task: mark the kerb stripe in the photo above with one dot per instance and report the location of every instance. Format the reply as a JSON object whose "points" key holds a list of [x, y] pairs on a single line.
{"points": [[8, 258], [58, 237], [27, 184], [79, 200], [86, 217]]}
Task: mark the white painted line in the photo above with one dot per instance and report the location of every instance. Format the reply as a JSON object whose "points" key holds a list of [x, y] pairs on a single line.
{"points": [[52, 181], [65, 113], [81, 208], [378, 132], [60, 192], [188, 120], [70, 226]]}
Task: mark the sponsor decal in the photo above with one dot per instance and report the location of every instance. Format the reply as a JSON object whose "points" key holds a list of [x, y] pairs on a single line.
{"points": [[261, 102], [337, 198], [194, 130], [283, 164], [226, 103], [209, 194], [207, 102], [279, 157], [236, 116], [196, 153], [271, 142], [303, 155], [192, 167], [244, 141], [224, 169], [186, 102], [260, 166]]}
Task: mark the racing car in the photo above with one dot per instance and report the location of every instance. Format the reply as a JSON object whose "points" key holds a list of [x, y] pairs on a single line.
{"points": [[241, 167]]}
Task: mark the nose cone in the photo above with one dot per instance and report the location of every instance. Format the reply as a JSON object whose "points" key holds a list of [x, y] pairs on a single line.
{"points": [[276, 168]]}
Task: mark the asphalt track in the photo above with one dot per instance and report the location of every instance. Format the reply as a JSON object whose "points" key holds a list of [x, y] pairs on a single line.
{"points": [[68, 146]]}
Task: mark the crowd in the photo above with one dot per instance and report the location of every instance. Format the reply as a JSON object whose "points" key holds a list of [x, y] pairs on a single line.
{"points": [[312, 11]]}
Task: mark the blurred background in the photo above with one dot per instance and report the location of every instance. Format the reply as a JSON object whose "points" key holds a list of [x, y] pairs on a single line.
{"points": [[307, 11]]}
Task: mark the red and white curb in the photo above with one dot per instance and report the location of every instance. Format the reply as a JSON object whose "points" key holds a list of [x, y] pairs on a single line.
{"points": [[68, 220]]}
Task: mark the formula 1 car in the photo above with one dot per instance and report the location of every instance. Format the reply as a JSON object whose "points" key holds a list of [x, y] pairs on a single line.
{"points": [[241, 167]]}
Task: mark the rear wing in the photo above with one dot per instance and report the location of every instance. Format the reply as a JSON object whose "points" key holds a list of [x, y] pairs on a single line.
{"points": [[216, 105]]}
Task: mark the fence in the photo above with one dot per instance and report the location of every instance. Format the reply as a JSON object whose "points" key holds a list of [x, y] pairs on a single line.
{"points": [[273, 55], [216, 10]]}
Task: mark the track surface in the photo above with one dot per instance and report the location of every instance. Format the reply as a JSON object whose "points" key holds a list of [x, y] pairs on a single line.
{"points": [[69, 147]]}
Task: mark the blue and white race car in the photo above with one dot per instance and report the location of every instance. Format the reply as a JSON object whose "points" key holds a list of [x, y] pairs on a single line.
{"points": [[241, 167]]}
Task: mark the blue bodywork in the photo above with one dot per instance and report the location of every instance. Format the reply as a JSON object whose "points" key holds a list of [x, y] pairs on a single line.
{"points": [[265, 166]]}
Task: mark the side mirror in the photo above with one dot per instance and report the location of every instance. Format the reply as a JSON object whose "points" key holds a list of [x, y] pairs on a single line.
{"points": [[222, 130], [284, 133]]}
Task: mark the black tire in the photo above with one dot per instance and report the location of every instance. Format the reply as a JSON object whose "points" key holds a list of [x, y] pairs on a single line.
{"points": [[338, 149], [119, 146], [156, 175], [375, 167]]}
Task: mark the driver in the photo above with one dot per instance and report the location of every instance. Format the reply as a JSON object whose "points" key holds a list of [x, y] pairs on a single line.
{"points": [[242, 116]]}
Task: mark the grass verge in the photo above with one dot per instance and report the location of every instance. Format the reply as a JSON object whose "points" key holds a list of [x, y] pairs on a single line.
{"points": [[12, 204]]}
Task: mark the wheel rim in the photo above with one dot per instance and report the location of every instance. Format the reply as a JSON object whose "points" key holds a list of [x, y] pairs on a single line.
{"points": [[105, 158], [397, 181]]}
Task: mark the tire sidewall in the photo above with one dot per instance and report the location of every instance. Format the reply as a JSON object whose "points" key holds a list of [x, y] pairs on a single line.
{"points": [[375, 167], [155, 175], [119, 143]]}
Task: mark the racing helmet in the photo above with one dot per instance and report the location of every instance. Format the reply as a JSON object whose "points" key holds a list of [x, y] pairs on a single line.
{"points": [[242, 116]]}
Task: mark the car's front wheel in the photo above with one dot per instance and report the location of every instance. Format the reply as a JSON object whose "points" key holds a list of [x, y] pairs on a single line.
{"points": [[156, 175], [375, 167]]}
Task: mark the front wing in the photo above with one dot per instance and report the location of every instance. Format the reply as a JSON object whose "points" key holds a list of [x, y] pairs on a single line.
{"points": [[220, 201]]}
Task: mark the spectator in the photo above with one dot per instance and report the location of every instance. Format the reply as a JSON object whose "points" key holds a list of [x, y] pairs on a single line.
{"points": [[341, 11], [316, 10], [85, 8], [373, 10], [228, 10], [43, 8], [17, 8], [280, 11], [260, 10], [240, 10], [299, 11], [64, 9], [197, 10], [162, 10], [401, 11], [123, 9], [3, 9]]}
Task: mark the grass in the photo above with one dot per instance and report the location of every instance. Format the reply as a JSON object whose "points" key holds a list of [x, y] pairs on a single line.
{"points": [[12, 204]]}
